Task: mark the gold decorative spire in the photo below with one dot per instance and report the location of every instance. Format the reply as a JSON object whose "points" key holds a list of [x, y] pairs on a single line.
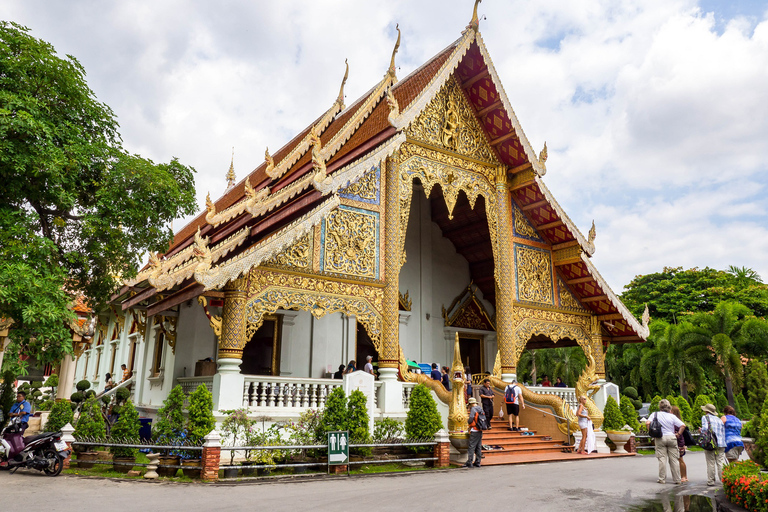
{"points": [[474, 23], [340, 99], [543, 155], [392, 71], [394, 107], [270, 164], [209, 204], [231, 172], [592, 234]]}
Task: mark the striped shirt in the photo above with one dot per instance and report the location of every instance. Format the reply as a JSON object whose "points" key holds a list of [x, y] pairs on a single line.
{"points": [[710, 421]]}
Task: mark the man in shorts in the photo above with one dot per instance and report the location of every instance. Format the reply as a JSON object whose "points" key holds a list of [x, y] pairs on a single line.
{"points": [[513, 396]]}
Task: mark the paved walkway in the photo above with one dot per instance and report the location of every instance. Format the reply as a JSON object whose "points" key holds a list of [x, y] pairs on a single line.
{"points": [[580, 485]]}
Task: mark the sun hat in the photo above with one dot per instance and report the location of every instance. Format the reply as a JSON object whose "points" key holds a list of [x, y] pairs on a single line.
{"points": [[709, 408], [472, 400]]}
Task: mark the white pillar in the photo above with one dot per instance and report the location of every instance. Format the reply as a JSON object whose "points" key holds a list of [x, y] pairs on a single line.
{"points": [[67, 378], [287, 341], [364, 382], [390, 392], [228, 385]]}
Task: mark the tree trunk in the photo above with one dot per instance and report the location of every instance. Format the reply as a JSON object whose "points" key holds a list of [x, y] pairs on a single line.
{"points": [[683, 384], [533, 367], [729, 390]]}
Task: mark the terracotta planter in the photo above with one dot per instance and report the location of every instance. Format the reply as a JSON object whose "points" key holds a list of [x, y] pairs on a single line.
{"points": [[619, 438], [85, 459], [191, 468], [123, 468], [170, 460]]}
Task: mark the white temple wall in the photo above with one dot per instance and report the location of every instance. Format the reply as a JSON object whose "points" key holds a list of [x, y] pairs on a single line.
{"points": [[195, 340]]}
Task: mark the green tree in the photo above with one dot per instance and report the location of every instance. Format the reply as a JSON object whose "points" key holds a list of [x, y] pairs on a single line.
{"points": [[743, 412], [423, 421], [201, 420], [126, 430], [76, 209], [7, 395], [744, 276], [697, 413], [654, 404], [568, 363], [170, 418], [761, 441], [723, 331], [685, 410], [61, 414], [91, 423], [757, 384], [613, 419], [629, 413], [335, 415]]}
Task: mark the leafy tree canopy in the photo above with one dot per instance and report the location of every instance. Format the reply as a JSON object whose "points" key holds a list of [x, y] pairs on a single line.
{"points": [[76, 209], [675, 291]]}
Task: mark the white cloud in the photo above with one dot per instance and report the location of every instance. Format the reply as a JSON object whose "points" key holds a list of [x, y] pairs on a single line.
{"points": [[655, 112]]}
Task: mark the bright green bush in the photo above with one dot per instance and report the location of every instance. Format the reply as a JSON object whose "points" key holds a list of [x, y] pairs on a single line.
{"points": [[757, 385], [654, 404], [685, 410], [743, 409], [91, 422], [201, 420], [357, 421], [631, 392], [122, 394], [721, 402], [83, 385], [170, 418], [61, 414], [761, 440], [335, 416], [126, 431], [612, 417], [629, 413], [697, 413], [387, 430], [423, 420]]}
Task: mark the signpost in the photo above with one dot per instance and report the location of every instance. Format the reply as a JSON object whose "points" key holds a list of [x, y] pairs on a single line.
{"points": [[338, 448]]}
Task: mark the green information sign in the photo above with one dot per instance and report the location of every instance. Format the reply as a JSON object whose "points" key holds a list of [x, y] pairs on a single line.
{"points": [[338, 448]]}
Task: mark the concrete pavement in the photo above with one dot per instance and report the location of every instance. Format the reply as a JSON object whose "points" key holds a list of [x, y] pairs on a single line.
{"points": [[583, 485]]}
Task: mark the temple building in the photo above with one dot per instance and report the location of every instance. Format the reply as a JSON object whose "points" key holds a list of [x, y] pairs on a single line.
{"points": [[414, 216]]}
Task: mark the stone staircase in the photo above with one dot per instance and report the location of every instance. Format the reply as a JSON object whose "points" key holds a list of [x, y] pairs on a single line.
{"points": [[516, 445]]}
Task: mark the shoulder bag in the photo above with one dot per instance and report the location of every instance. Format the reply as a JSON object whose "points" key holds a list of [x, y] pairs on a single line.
{"points": [[708, 439]]}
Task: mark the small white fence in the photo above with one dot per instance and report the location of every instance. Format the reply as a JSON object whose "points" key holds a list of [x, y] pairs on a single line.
{"points": [[567, 394]]}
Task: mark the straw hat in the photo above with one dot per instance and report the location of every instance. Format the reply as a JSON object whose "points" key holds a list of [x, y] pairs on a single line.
{"points": [[472, 401], [709, 408]]}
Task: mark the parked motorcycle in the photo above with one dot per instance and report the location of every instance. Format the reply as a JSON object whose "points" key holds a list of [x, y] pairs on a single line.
{"points": [[45, 452]]}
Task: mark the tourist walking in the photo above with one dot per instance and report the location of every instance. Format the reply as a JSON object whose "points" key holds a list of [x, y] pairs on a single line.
{"points": [[584, 423], [715, 458], [733, 443], [680, 445], [513, 397], [486, 397], [666, 445], [446, 379], [475, 451]]}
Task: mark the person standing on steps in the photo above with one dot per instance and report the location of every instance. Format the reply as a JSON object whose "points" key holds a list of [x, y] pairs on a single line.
{"points": [[513, 397], [475, 451], [486, 396]]}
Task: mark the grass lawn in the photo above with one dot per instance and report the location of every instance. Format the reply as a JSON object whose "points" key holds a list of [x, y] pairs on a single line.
{"points": [[106, 471]]}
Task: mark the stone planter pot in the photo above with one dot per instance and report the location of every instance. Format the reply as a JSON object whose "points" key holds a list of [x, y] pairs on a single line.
{"points": [[169, 460], [122, 468], [619, 438], [191, 468], [85, 460], [229, 472], [247, 469]]}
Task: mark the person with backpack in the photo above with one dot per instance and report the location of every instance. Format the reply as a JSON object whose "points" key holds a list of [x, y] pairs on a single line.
{"points": [[661, 426], [477, 423], [715, 453], [513, 397]]}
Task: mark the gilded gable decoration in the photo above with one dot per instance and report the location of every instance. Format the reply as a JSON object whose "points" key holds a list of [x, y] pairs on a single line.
{"points": [[567, 299], [405, 301], [449, 122], [523, 228], [350, 243], [534, 274], [467, 311], [366, 189], [298, 256]]}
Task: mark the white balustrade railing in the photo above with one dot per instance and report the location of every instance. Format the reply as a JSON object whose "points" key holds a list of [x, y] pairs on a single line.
{"points": [[287, 392], [407, 390], [567, 394], [190, 384]]}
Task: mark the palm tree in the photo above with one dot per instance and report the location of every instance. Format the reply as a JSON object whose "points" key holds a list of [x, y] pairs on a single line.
{"points": [[532, 361], [672, 361], [568, 363], [722, 331], [744, 276]]}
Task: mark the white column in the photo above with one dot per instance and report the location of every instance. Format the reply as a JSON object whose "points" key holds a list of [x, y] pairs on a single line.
{"points": [[228, 385], [390, 392], [364, 382], [67, 378], [287, 342]]}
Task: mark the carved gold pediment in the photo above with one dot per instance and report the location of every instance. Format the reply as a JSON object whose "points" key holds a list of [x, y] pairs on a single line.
{"points": [[297, 256], [467, 311], [448, 122], [567, 299]]}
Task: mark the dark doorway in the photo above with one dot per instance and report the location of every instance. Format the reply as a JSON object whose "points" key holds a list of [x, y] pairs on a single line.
{"points": [[261, 355], [472, 352], [364, 348]]}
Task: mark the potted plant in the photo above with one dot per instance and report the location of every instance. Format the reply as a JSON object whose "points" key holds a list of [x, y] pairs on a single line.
{"points": [[201, 422], [125, 431], [90, 426], [169, 430], [61, 414], [236, 428], [614, 425]]}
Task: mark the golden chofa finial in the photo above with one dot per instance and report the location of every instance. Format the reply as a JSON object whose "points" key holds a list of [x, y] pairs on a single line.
{"points": [[340, 99], [592, 234], [270, 164], [474, 23], [231, 172], [392, 71]]}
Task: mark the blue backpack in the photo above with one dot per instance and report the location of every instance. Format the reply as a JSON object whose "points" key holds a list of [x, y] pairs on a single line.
{"points": [[509, 394]]}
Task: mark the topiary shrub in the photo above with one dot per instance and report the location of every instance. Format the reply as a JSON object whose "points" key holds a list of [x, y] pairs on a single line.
{"points": [[126, 431], [631, 392], [122, 394], [52, 382], [685, 410], [77, 398], [83, 385], [760, 453], [612, 417], [743, 409], [357, 421], [697, 413], [61, 414], [654, 404], [90, 424], [423, 420], [757, 385], [335, 415], [720, 402], [629, 413], [46, 405], [169, 425], [201, 420]]}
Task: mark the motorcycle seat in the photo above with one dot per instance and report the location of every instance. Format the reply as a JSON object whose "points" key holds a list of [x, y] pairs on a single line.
{"points": [[31, 439]]}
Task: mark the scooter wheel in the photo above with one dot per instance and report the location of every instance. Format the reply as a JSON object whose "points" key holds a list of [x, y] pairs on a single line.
{"points": [[55, 463]]}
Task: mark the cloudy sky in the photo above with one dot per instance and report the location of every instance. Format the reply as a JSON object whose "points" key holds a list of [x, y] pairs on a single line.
{"points": [[655, 112]]}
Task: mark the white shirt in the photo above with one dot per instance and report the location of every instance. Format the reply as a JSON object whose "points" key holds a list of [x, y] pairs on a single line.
{"points": [[368, 368], [668, 422]]}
